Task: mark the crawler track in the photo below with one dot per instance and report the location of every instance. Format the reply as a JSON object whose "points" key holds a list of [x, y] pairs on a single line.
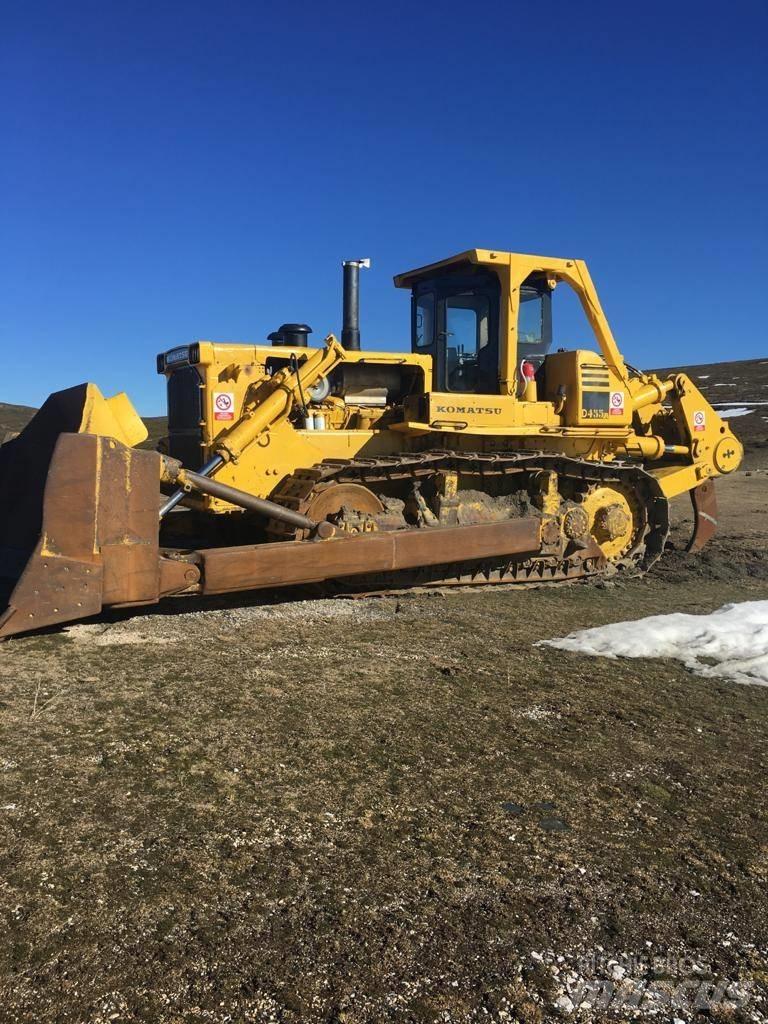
{"points": [[396, 474]]}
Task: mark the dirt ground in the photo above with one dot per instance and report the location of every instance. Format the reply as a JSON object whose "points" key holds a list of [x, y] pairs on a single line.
{"points": [[388, 809]]}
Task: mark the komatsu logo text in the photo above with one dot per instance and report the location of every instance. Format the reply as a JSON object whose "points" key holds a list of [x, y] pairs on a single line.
{"points": [[472, 410]]}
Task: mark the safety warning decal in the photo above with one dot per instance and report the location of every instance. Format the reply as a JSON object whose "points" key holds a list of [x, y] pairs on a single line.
{"points": [[617, 403], [223, 405], [699, 420]]}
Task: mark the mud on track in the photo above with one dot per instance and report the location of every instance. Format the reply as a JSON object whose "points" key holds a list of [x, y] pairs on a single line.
{"points": [[384, 809]]}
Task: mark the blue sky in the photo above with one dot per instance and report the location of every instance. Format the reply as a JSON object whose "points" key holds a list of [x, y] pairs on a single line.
{"points": [[173, 171]]}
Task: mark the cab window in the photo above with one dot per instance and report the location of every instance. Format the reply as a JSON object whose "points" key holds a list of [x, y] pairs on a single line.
{"points": [[534, 321], [424, 320], [530, 324], [466, 329]]}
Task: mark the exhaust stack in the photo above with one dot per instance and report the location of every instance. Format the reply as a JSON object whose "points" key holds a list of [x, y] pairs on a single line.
{"points": [[350, 331]]}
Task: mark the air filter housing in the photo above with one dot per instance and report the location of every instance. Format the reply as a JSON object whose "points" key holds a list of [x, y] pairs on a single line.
{"points": [[292, 335]]}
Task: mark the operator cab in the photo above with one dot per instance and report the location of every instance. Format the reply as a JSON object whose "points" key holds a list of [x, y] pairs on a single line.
{"points": [[455, 319]]}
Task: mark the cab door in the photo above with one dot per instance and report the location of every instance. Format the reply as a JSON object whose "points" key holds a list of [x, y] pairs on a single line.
{"points": [[464, 328], [456, 321]]}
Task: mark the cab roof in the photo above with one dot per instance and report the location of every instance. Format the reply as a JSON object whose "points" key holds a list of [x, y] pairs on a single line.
{"points": [[479, 257]]}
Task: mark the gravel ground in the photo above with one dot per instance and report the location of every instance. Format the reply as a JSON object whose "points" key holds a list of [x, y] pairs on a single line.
{"points": [[388, 809]]}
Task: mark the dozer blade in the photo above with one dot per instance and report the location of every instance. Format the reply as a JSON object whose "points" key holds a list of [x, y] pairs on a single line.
{"points": [[78, 517], [704, 501]]}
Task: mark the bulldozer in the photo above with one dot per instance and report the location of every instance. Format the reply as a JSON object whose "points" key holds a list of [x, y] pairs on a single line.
{"points": [[483, 455]]}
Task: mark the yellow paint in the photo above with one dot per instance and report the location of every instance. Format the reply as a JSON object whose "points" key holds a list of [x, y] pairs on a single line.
{"points": [[513, 269], [548, 498], [604, 501], [112, 417], [590, 407], [714, 448]]}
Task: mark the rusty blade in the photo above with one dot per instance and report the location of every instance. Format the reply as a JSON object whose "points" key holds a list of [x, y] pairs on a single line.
{"points": [[704, 501], [24, 464], [92, 534], [283, 564]]}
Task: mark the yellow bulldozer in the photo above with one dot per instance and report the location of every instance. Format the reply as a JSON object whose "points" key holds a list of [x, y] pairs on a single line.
{"points": [[482, 456]]}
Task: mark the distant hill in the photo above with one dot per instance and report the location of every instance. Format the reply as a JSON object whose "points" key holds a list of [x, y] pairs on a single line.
{"points": [[157, 427], [14, 418], [741, 386], [743, 380]]}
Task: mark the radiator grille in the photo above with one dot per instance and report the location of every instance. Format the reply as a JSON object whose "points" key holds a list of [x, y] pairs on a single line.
{"points": [[185, 413], [595, 375]]}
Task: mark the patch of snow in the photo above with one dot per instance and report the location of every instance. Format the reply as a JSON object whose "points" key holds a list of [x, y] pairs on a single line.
{"points": [[703, 376], [730, 414], [731, 643], [715, 405]]}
